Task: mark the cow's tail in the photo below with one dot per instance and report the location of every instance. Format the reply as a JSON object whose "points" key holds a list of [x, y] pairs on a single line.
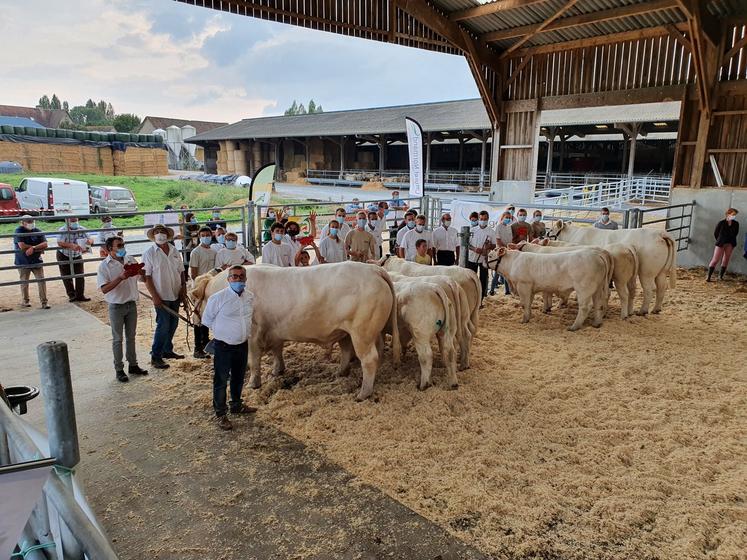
{"points": [[609, 273], [632, 281], [474, 316], [671, 260], [450, 323], [393, 321], [456, 292]]}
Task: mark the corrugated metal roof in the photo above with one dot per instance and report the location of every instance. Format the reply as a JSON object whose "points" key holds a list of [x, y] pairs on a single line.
{"points": [[446, 116], [435, 117], [19, 121]]}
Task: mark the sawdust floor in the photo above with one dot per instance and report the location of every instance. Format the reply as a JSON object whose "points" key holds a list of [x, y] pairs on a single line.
{"points": [[623, 442]]}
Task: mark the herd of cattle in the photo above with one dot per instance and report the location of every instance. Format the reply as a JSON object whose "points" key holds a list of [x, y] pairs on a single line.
{"points": [[414, 302]]}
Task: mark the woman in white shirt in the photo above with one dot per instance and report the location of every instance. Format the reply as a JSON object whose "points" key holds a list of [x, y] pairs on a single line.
{"points": [[332, 248]]}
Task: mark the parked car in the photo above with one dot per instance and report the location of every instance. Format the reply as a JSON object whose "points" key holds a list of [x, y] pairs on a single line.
{"points": [[109, 200], [48, 195], [8, 201]]}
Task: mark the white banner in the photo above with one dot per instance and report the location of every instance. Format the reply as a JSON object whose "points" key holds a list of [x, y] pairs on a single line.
{"points": [[415, 147], [460, 211]]}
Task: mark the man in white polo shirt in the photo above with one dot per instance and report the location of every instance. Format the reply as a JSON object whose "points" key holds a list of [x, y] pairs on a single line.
{"points": [[229, 315], [164, 278], [481, 243], [119, 286], [446, 242], [408, 248]]}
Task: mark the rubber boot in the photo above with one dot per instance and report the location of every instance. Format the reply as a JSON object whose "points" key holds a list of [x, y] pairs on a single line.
{"points": [[710, 273], [721, 273]]}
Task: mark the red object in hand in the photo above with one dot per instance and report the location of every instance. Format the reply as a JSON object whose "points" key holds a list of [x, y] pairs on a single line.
{"points": [[133, 269], [306, 241]]}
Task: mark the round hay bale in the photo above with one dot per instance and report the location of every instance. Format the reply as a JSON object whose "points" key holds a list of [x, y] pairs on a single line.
{"points": [[41, 132], [7, 129], [30, 131], [79, 135]]}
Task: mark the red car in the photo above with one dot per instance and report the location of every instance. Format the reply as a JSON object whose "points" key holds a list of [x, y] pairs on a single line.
{"points": [[8, 202]]}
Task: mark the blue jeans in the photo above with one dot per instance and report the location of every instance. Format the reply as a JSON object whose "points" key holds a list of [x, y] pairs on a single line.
{"points": [[496, 278], [166, 325], [229, 362]]}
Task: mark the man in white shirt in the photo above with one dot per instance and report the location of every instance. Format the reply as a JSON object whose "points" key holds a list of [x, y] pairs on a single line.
{"points": [[220, 239], [376, 226], [342, 227], [233, 254], [482, 241], [446, 242], [504, 234], [408, 249], [332, 247], [164, 278], [119, 286], [408, 224], [276, 251], [202, 261], [229, 314]]}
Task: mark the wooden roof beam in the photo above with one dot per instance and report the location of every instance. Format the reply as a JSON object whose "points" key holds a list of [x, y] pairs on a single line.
{"points": [[544, 25], [492, 8], [708, 24], [583, 19]]}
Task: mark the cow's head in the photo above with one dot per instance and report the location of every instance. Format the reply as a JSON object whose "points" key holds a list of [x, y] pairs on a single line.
{"points": [[198, 295], [556, 228], [495, 256]]}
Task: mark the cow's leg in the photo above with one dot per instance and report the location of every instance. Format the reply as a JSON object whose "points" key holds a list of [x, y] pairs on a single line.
{"points": [[404, 340], [465, 343], [649, 286], [546, 302], [662, 283], [526, 300], [279, 367], [346, 356], [584, 307], [255, 365], [598, 302], [425, 357], [448, 354], [632, 285], [622, 291], [369, 357]]}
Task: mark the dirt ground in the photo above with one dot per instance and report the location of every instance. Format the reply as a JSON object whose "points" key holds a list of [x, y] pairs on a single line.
{"points": [[622, 442]]}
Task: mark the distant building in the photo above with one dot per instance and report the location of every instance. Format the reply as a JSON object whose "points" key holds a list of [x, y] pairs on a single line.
{"points": [[48, 118], [19, 121], [150, 124], [174, 133]]}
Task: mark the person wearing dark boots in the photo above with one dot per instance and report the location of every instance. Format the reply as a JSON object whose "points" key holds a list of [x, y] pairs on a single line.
{"points": [[726, 240]]}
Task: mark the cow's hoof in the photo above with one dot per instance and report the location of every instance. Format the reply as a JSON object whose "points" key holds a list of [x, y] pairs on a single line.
{"points": [[573, 328], [255, 383], [656, 311], [546, 311], [361, 396], [596, 325], [343, 372], [423, 386], [642, 313], [454, 386]]}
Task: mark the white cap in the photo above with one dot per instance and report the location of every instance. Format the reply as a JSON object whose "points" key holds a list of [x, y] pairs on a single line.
{"points": [[27, 218]]}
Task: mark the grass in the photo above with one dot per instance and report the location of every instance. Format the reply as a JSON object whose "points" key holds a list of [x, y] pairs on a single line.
{"points": [[150, 194]]}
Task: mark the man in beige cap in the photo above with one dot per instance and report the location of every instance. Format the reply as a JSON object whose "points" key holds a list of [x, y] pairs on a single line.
{"points": [[164, 278]]}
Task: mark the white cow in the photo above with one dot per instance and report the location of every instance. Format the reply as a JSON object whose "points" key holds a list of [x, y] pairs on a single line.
{"points": [[468, 281], [657, 256], [624, 259], [425, 311], [587, 271], [297, 304]]}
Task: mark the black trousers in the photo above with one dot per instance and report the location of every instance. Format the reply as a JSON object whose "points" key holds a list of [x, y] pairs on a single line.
{"points": [[229, 363], [73, 286], [445, 258], [202, 337], [483, 272]]}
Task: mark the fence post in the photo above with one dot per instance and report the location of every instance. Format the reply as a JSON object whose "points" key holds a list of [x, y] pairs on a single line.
{"points": [[626, 219], [62, 428], [464, 246]]}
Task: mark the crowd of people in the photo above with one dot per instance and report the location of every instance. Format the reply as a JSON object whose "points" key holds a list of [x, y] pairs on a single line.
{"points": [[164, 270]]}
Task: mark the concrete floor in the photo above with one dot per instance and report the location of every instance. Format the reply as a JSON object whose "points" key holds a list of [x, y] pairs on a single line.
{"points": [[167, 484]]}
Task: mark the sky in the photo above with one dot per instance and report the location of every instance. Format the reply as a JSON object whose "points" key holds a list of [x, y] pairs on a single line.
{"points": [[165, 58]]}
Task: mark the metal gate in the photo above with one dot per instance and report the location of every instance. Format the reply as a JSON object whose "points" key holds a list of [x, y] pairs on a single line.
{"points": [[677, 221]]}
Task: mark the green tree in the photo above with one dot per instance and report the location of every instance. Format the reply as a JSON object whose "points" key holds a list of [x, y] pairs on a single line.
{"points": [[65, 106], [126, 122], [43, 102], [292, 110], [55, 103], [90, 104], [301, 109]]}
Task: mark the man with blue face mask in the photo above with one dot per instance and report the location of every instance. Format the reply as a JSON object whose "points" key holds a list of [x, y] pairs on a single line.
{"points": [[360, 245], [215, 221], [117, 280], [71, 246], [278, 252], [482, 241], [407, 225], [604, 221], [228, 314], [202, 261], [233, 254]]}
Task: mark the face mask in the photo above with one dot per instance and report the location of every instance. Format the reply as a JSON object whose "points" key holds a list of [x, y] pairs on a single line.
{"points": [[537, 218], [340, 217], [447, 223], [121, 253], [410, 225], [419, 228], [483, 223], [730, 217], [237, 287], [205, 240], [216, 215], [160, 238], [29, 226], [361, 222], [522, 218], [74, 225], [374, 222], [512, 212], [605, 217], [271, 215], [278, 236], [473, 222], [230, 244], [506, 221], [221, 238], [193, 220], [333, 231]]}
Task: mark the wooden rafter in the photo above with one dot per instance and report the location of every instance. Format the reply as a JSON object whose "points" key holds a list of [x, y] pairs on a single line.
{"points": [[542, 26], [677, 35], [516, 72], [491, 8], [739, 45], [583, 19], [709, 25]]}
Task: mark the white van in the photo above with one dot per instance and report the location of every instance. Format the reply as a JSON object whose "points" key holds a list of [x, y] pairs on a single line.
{"points": [[48, 195]]}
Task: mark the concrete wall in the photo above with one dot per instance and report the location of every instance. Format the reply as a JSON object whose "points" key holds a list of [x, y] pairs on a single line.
{"points": [[710, 207]]}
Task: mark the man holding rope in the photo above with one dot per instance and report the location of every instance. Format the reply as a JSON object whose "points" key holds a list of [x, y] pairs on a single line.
{"points": [[164, 278], [481, 243]]}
